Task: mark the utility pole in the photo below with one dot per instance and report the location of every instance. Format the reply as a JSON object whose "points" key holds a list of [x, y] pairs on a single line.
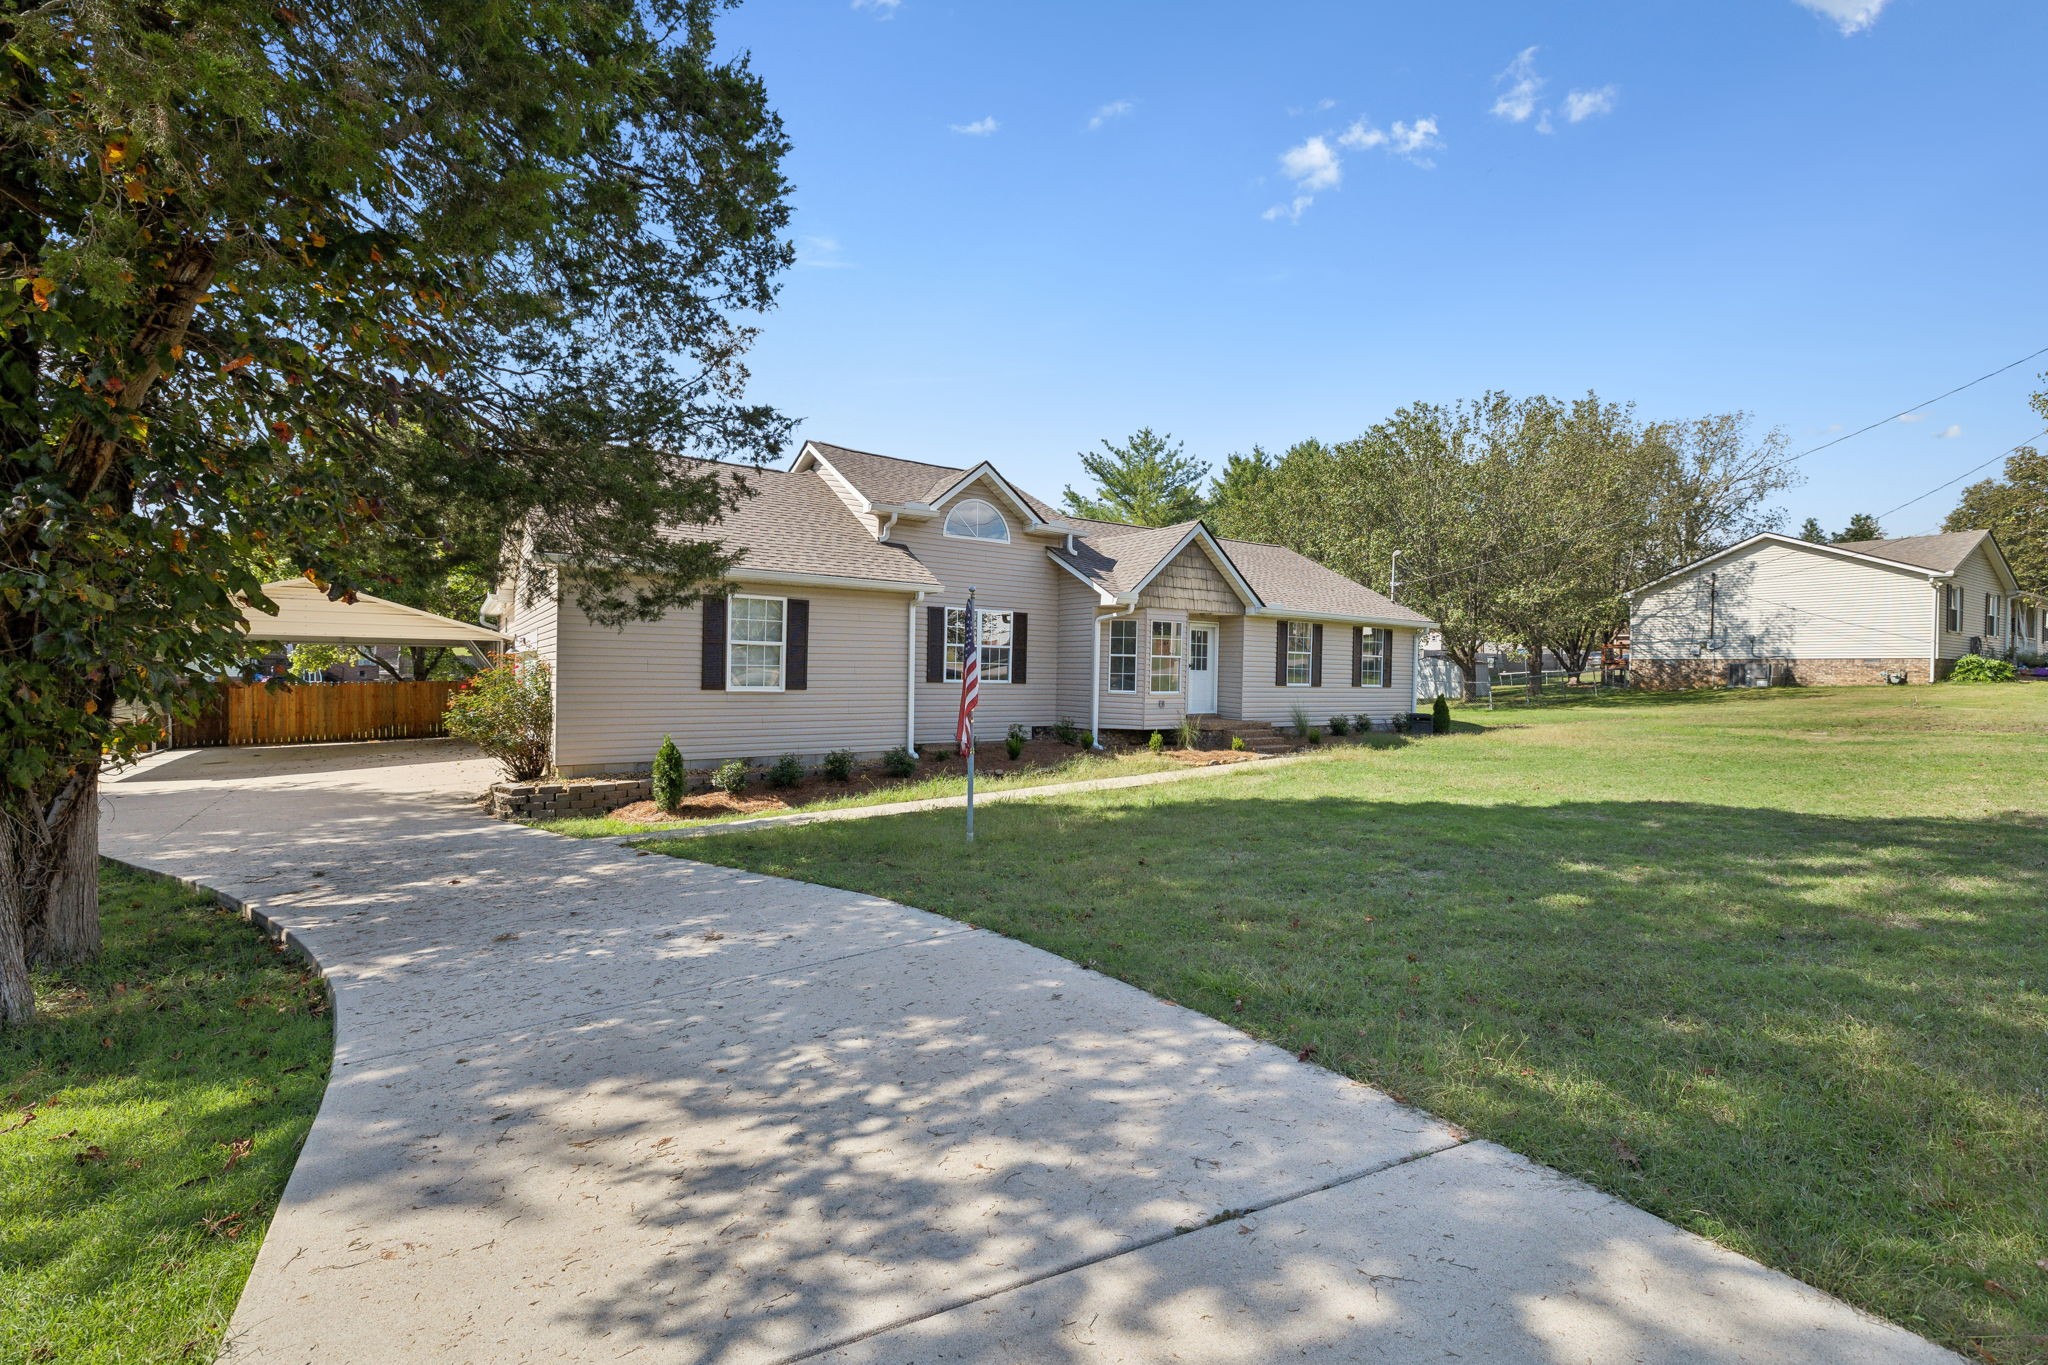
{"points": [[1394, 578]]}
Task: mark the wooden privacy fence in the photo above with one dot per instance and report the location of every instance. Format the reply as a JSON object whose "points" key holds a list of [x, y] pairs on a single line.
{"points": [[309, 713]]}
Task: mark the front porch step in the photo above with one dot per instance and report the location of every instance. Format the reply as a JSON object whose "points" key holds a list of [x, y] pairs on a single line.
{"points": [[1258, 736]]}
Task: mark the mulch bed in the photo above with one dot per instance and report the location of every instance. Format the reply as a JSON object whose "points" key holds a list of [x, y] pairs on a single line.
{"points": [[991, 760]]}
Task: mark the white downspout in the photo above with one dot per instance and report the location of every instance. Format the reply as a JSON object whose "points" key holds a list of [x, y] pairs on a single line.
{"points": [[910, 676], [1095, 692], [1940, 616]]}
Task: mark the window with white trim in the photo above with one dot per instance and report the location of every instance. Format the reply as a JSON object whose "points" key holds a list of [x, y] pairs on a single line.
{"points": [[754, 644], [974, 519], [1991, 614], [997, 631], [1167, 640], [1301, 649], [1123, 656], [1955, 609], [1371, 661]]}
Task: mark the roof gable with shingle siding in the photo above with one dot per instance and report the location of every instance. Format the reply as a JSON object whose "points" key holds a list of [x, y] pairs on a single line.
{"points": [[1191, 582]]}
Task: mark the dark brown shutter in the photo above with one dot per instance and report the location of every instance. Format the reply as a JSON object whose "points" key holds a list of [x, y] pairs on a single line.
{"points": [[1386, 658], [1315, 655], [1020, 639], [713, 679], [1280, 656], [934, 644], [796, 669], [1358, 656]]}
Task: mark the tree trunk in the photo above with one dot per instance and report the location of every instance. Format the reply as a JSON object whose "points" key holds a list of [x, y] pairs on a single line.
{"points": [[71, 910], [1535, 669], [17, 996]]}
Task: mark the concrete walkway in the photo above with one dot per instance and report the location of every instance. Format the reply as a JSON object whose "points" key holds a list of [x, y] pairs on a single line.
{"points": [[589, 1104]]}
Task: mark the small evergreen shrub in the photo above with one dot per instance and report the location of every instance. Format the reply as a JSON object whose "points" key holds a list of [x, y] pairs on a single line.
{"points": [[1237, 744], [1362, 723], [508, 711], [899, 762], [1013, 742], [1157, 744], [1087, 739], [671, 783], [1975, 668], [1190, 732], [1440, 715], [838, 765], [1066, 732], [937, 755], [1401, 723], [1304, 728], [786, 772], [1339, 725], [730, 776]]}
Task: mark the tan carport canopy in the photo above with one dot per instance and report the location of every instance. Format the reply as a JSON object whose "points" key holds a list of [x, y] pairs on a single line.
{"points": [[305, 616]]}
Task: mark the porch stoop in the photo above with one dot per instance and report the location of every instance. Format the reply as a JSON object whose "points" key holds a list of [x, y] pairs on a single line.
{"points": [[1259, 736]]}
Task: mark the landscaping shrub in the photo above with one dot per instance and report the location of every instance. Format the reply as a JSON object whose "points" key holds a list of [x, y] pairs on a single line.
{"points": [[1014, 742], [671, 783], [1975, 668], [1190, 732], [1157, 744], [1440, 715], [937, 755], [1401, 723], [899, 762], [786, 772], [1087, 739], [839, 765], [508, 711], [1304, 728], [1339, 725], [1237, 744], [1362, 723], [1066, 732], [731, 776]]}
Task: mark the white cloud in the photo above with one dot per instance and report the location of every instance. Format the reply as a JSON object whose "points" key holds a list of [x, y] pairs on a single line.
{"points": [[979, 128], [1581, 105], [1518, 101], [1315, 165], [1413, 141], [1949, 432], [1312, 166], [1851, 16], [1362, 135], [1912, 417], [1114, 109], [820, 253], [1291, 212], [882, 9], [1325, 104]]}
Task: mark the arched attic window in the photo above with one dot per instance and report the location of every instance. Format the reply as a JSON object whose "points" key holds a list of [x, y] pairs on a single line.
{"points": [[974, 519]]}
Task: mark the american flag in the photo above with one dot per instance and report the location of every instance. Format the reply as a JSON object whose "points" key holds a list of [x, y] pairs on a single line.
{"points": [[970, 681]]}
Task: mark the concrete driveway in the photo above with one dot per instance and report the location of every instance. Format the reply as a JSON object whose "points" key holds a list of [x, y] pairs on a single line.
{"points": [[591, 1105]]}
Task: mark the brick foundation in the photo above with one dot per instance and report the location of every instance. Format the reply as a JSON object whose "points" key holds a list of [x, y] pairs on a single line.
{"points": [[1671, 675], [550, 800]]}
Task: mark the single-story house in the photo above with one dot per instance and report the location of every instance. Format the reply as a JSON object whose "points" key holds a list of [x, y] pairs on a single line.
{"points": [[1779, 608], [843, 625]]}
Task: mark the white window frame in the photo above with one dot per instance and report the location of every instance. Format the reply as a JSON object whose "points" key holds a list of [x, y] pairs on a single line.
{"points": [[780, 644], [996, 659], [1115, 654], [1952, 610], [1307, 653], [1001, 522], [1176, 638], [1991, 616], [1373, 661]]}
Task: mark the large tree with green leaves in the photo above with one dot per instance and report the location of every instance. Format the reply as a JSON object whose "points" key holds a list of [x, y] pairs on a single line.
{"points": [[1862, 526], [1149, 480], [292, 284], [2013, 508]]}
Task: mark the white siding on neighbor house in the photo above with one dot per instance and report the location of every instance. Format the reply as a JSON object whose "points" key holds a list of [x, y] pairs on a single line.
{"points": [[1977, 576], [1778, 601], [1265, 700], [617, 692], [1013, 577]]}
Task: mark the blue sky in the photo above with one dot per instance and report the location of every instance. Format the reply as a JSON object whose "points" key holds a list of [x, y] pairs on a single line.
{"points": [[1024, 228]]}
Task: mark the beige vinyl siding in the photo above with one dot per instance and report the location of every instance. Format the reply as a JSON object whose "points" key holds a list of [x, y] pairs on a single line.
{"points": [[1230, 666], [617, 692], [1263, 700], [1780, 601], [1976, 576], [1192, 584], [1145, 710], [1012, 577], [534, 628], [1077, 606]]}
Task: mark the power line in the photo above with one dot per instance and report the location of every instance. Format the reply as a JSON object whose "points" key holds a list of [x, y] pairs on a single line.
{"points": [[1917, 406], [2009, 450]]}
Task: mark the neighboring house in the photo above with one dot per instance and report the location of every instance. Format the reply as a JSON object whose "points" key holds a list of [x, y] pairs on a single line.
{"points": [[1856, 613], [844, 623]]}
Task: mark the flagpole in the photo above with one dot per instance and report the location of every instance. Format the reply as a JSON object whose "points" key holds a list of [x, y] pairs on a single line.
{"points": [[967, 727]]}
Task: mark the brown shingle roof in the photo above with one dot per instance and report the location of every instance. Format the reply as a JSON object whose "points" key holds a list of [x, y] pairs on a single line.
{"points": [[1289, 581], [884, 478], [794, 523], [1943, 553]]}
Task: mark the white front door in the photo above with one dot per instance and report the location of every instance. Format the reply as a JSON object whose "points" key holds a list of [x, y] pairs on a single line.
{"points": [[1202, 670]]}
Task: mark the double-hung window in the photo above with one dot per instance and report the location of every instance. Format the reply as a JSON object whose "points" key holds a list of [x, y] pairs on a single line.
{"points": [[1991, 615], [1123, 656], [1300, 653], [1955, 610], [754, 644], [1166, 656], [997, 632], [1371, 657]]}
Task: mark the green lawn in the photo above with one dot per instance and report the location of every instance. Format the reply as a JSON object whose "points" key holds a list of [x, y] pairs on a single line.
{"points": [[1081, 767], [1772, 965], [171, 1084]]}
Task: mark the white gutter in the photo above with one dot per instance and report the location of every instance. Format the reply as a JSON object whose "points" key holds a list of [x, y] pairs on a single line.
{"points": [[910, 678], [1095, 673], [1940, 615]]}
